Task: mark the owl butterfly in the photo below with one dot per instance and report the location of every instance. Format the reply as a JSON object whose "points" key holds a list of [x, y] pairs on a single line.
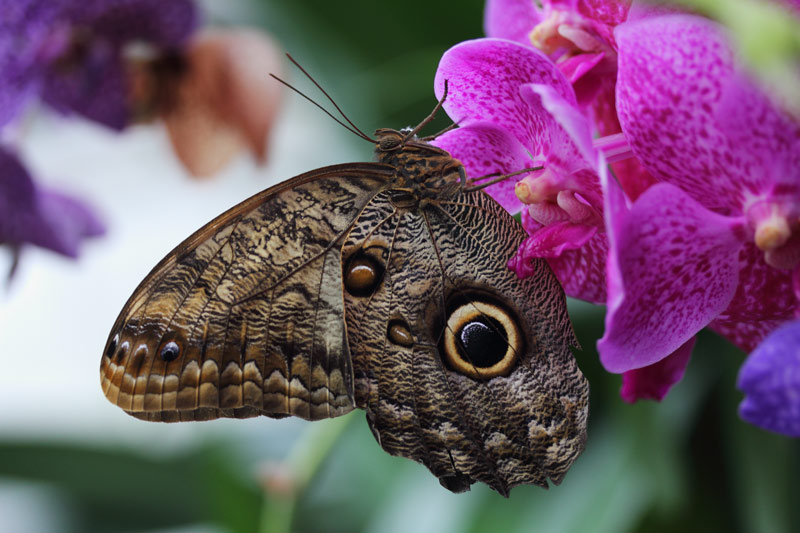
{"points": [[381, 286]]}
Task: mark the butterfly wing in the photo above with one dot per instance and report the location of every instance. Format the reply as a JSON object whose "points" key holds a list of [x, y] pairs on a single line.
{"points": [[506, 422], [245, 317]]}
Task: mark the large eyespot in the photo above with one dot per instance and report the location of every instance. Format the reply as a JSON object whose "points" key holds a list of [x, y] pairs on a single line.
{"points": [[482, 340], [363, 271]]}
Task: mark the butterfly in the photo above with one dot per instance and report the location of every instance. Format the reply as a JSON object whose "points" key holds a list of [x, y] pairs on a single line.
{"points": [[381, 286]]}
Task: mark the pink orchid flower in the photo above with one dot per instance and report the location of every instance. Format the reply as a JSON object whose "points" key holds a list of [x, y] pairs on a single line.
{"points": [[713, 243], [516, 110]]}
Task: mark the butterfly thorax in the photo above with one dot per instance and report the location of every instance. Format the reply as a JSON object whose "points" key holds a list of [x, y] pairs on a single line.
{"points": [[422, 170]]}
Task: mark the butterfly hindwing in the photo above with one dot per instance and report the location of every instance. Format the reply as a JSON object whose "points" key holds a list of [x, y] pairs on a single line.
{"points": [[526, 425], [246, 316]]}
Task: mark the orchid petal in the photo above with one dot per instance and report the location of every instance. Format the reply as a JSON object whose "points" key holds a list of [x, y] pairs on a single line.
{"points": [[95, 88], [571, 141], [47, 219], [510, 19], [582, 271], [668, 94], [766, 141], [555, 239], [743, 333], [770, 379], [484, 78], [485, 149], [606, 11], [652, 382], [672, 269], [166, 24]]}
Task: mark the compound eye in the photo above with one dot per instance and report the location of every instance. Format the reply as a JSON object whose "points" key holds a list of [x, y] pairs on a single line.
{"points": [[388, 144], [482, 340]]}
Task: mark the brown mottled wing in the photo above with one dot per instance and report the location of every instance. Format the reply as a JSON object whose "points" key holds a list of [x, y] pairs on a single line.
{"points": [[522, 428], [245, 317]]}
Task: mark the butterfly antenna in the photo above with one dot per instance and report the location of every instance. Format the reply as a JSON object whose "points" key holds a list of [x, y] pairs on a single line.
{"points": [[345, 126], [430, 117], [331, 100]]}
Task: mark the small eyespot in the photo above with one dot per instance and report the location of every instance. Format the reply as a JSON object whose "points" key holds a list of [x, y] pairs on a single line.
{"points": [[122, 350], [362, 274], [170, 351], [399, 333], [112, 346], [481, 340]]}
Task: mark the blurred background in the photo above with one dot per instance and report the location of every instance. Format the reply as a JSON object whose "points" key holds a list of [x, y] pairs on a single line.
{"points": [[72, 462]]}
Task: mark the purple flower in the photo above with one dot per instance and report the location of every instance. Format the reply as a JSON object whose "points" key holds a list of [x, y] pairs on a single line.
{"points": [[29, 215], [515, 110], [770, 379], [716, 241], [71, 52]]}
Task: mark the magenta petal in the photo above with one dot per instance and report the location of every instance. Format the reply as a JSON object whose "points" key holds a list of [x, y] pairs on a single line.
{"points": [[571, 141], [770, 379], [607, 11], [765, 141], [672, 270], [745, 334], [668, 94], [582, 271], [510, 19], [764, 294], [555, 239], [575, 67], [485, 149], [652, 382], [485, 76]]}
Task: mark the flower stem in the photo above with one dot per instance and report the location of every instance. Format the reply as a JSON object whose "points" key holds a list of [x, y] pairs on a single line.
{"points": [[286, 482]]}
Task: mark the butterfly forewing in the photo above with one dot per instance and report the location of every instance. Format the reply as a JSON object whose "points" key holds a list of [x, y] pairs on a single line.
{"points": [[246, 316]]}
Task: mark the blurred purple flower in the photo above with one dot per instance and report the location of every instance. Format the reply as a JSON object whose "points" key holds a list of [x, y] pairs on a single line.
{"points": [[716, 242], [516, 110], [70, 52], [770, 379], [29, 215]]}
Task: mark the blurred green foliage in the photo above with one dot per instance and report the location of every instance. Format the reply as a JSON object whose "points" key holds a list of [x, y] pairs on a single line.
{"points": [[687, 464]]}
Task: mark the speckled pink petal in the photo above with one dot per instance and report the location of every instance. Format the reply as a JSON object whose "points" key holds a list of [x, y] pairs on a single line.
{"points": [[668, 95], [483, 149], [746, 335], [554, 239], [485, 76], [765, 141], [575, 67], [674, 269], [652, 382], [571, 140], [764, 293], [510, 19], [606, 11], [582, 272]]}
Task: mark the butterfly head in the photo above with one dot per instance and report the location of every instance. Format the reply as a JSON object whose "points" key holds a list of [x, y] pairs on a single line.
{"points": [[422, 168]]}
